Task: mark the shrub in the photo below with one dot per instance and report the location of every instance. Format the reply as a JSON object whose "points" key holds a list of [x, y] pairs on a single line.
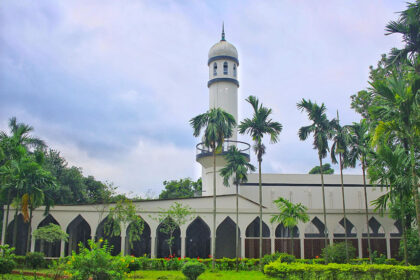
{"points": [[6, 259], [193, 269], [336, 253], [300, 271], [286, 258], [35, 260], [97, 262], [413, 245]]}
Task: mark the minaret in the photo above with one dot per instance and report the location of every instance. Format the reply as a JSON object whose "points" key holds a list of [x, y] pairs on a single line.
{"points": [[223, 93]]}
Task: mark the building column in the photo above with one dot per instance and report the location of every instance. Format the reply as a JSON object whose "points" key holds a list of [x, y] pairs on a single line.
{"points": [[359, 244], [32, 244], [388, 245], [153, 246], [62, 247], [302, 245], [123, 243], [243, 246], [182, 246], [272, 240], [3, 233]]}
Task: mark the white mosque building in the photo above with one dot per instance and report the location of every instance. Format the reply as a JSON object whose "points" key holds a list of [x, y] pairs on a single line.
{"points": [[83, 222]]}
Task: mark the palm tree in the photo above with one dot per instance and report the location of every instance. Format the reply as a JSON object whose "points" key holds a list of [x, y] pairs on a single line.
{"points": [[399, 117], [408, 26], [237, 167], [321, 127], [260, 125], [217, 125], [359, 149], [339, 146], [290, 215]]}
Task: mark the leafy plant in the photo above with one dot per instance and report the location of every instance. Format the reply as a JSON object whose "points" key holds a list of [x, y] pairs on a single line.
{"points": [[336, 253], [413, 246], [35, 260], [193, 269], [6, 261]]}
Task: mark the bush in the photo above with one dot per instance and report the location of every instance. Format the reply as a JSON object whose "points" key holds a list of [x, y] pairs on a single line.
{"points": [[336, 253], [35, 260], [286, 258], [98, 263], [6, 259], [300, 271], [193, 269], [413, 245]]}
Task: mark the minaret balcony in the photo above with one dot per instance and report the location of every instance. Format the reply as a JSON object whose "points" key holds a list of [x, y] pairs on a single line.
{"points": [[203, 151]]}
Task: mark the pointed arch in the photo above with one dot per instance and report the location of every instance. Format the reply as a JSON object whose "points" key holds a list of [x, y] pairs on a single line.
{"points": [[396, 234], [315, 229], [21, 235], [198, 239], [377, 238], [162, 242], [79, 233], [375, 228], [253, 229], [49, 249], [339, 230], [283, 241], [225, 239], [284, 232], [102, 231], [141, 247], [314, 239]]}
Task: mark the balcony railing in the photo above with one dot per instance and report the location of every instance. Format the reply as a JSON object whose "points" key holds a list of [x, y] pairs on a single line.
{"points": [[203, 151]]}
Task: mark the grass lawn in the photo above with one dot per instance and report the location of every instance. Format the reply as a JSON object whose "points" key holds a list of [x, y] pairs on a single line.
{"points": [[177, 275]]}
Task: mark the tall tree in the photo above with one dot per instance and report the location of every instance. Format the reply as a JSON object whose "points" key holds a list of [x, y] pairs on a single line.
{"points": [[261, 124], [217, 125], [181, 188], [358, 150], [237, 167], [322, 130], [290, 215], [341, 139], [326, 169]]}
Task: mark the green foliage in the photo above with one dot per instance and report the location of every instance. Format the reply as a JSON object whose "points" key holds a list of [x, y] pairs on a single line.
{"points": [[297, 271], [182, 188], [50, 233], [326, 169], [7, 263], [193, 269], [336, 253], [413, 246], [98, 263], [35, 260]]}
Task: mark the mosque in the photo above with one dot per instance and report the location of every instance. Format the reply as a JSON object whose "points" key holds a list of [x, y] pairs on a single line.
{"points": [[83, 222]]}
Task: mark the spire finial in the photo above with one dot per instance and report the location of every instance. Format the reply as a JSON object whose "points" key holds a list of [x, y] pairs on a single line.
{"points": [[223, 31]]}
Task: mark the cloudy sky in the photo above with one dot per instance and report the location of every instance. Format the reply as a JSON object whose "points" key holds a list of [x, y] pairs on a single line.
{"points": [[113, 84]]}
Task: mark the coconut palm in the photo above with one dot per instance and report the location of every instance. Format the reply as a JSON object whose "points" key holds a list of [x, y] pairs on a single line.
{"points": [[322, 130], [399, 116], [408, 26], [236, 168], [359, 148], [261, 124], [290, 215], [339, 146], [217, 125]]}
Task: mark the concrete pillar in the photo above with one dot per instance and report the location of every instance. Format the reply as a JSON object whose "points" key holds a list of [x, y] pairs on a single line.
{"points": [[243, 246], [3, 233], [123, 243], [183, 251], [388, 245], [302, 245], [359, 244], [32, 244], [153, 246], [272, 240], [62, 247]]}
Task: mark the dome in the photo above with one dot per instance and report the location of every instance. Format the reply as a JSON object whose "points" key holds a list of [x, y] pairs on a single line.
{"points": [[223, 48]]}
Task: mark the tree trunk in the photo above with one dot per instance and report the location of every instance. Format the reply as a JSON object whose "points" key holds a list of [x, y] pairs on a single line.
{"points": [[7, 217], [324, 210], [366, 208], [344, 207], [213, 262], [293, 245], [415, 186], [404, 229], [28, 240], [260, 191], [170, 241], [15, 224], [237, 227]]}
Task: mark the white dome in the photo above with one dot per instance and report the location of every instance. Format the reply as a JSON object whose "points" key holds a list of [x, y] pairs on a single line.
{"points": [[223, 48]]}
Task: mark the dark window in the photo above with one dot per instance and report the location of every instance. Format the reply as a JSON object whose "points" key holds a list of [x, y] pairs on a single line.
{"points": [[225, 68], [215, 69], [234, 70]]}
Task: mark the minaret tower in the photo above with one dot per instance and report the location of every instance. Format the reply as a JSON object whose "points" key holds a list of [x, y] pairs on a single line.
{"points": [[223, 93]]}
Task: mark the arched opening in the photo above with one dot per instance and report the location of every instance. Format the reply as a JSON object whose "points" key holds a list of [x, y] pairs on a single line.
{"points": [[225, 239], [340, 234], [377, 238], [215, 69], [104, 231], [283, 242], [162, 243], [50, 249], [198, 239], [225, 68], [140, 247], [252, 242], [314, 239], [79, 233], [396, 234], [234, 70], [21, 235]]}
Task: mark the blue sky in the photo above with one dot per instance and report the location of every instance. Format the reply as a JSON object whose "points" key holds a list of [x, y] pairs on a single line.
{"points": [[113, 84]]}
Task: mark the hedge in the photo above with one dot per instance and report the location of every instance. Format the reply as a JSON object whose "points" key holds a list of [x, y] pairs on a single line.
{"points": [[333, 271]]}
